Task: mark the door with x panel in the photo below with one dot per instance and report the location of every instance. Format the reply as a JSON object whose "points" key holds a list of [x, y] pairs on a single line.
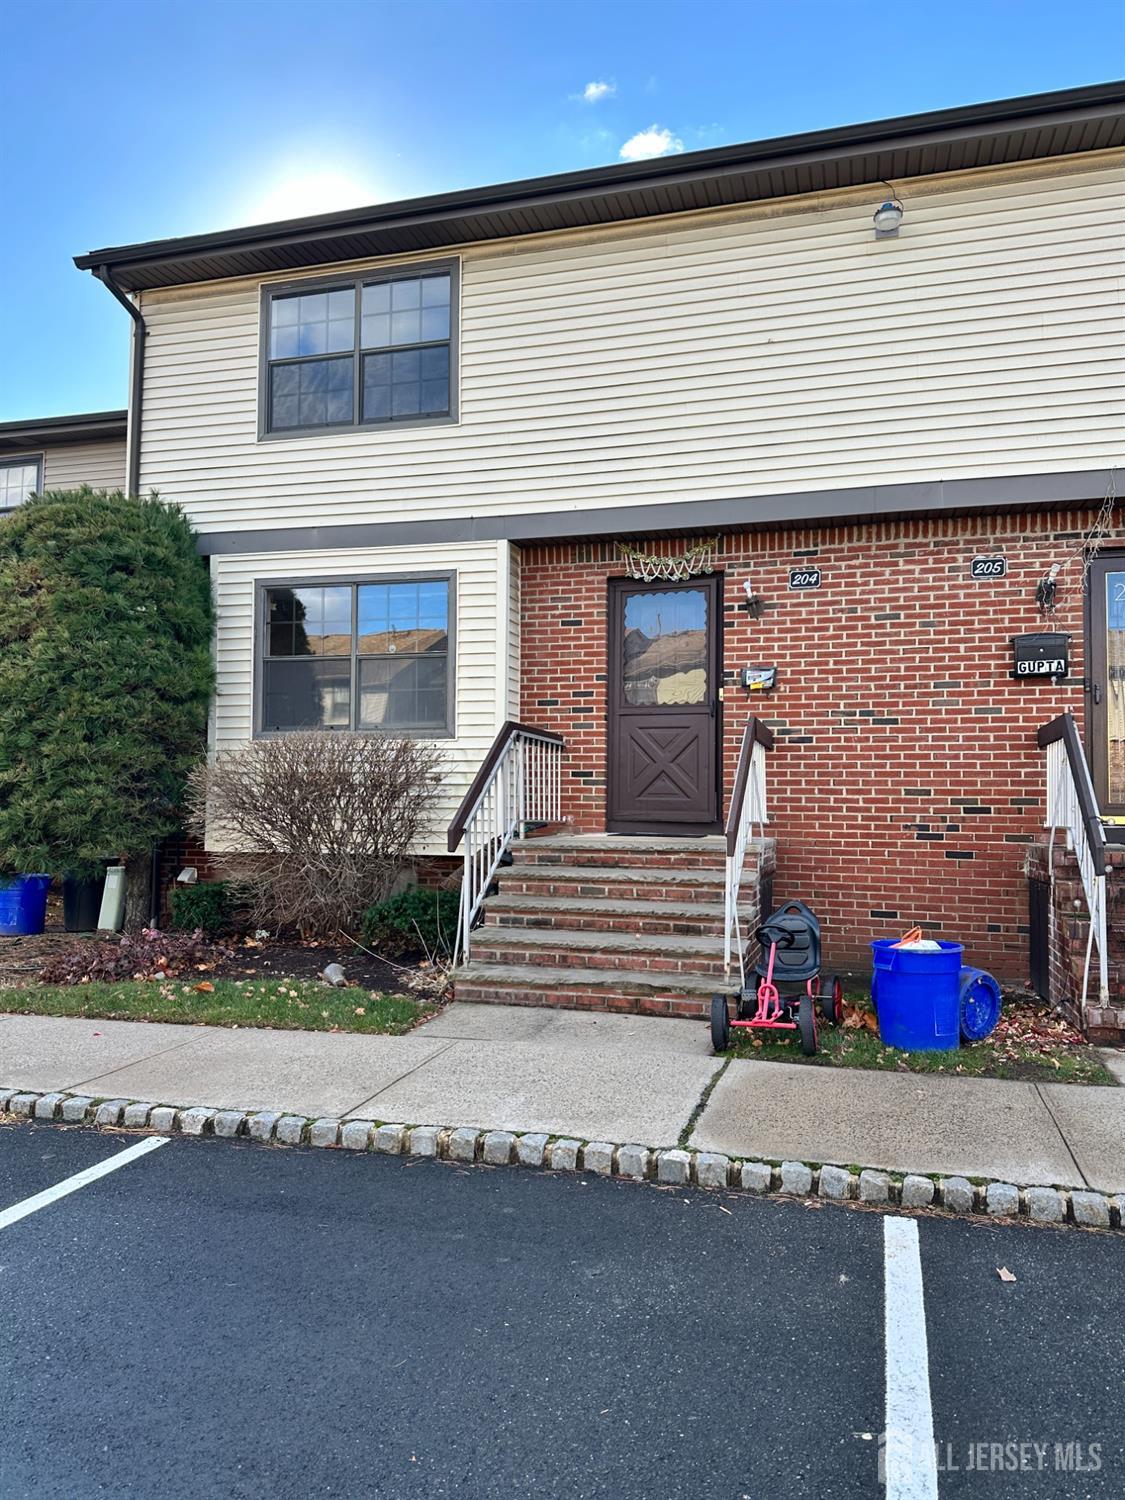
{"points": [[663, 706]]}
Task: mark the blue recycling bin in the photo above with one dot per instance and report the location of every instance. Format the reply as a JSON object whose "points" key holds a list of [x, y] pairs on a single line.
{"points": [[980, 1005], [917, 996], [23, 905]]}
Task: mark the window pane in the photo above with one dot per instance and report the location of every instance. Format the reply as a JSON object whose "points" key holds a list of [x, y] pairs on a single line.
{"points": [[281, 604], [433, 364], [322, 620], [433, 605], [377, 403], [405, 312], [406, 327], [376, 333], [665, 647], [433, 398], [286, 343], [313, 338], [397, 618], [406, 694], [435, 323], [406, 366], [405, 294], [435, 291], [405, 400], [311, 394], [406, 383], [307, 694], [315, 323]]}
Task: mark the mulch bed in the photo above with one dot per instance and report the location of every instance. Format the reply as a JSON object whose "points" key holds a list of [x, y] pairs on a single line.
{"points": [[281, 958], [22, 959]]}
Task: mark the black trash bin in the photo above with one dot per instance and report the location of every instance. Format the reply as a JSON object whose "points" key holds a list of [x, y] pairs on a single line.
{"points": [[82, 903]]}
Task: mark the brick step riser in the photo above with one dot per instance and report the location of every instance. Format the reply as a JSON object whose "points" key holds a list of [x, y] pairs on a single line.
{"points": [[519, 883], [608, 859], [620, 1003], [654, 926], [543, 956]]}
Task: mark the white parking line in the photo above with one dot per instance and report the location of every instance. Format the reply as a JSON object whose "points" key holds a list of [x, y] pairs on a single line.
{"points": [[79, 1180], [908, 1460]]}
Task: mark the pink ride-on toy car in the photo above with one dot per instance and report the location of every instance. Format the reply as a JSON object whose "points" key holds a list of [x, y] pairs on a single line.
{"points": [[788, 984]]}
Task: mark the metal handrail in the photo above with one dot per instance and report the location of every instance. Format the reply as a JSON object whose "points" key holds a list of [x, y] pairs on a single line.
{"points": [[1073, 806], [747, 807], [519, 782]]}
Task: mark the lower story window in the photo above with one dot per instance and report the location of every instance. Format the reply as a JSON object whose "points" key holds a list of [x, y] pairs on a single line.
{"points": [[363, 656]]}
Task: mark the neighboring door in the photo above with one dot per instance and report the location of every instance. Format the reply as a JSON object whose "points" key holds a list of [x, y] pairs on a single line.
{"points": [[663, 706], [1105, 738]]}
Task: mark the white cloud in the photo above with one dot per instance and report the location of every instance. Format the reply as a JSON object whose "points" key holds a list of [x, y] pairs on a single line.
{"points": [[593, 92], [657, 140]]}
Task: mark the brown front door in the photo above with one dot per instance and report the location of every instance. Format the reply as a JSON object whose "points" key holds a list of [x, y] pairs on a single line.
{"points": [[663, 706], [1105, 737]]}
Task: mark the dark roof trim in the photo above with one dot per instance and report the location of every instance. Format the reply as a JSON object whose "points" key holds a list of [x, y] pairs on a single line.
{"points": [[876, 502], [84, 427], [1034, 127]]}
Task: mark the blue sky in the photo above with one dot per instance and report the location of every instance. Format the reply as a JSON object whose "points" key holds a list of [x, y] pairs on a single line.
{"points": [[133, 121]]}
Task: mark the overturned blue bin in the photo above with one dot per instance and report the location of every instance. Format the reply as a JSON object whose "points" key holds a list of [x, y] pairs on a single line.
{"points": [[917, 994], [980, 1005]]}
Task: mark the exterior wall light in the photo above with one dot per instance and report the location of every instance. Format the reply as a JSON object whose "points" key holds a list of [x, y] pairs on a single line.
{"points": [[888, 216]]}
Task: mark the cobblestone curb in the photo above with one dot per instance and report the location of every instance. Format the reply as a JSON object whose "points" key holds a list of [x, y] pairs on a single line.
{"points": [[669, 1168]]}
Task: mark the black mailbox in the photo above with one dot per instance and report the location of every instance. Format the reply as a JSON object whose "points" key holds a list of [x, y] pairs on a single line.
{"points": [[1044, 655]]}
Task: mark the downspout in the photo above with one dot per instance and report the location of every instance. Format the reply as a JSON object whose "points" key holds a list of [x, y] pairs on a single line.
{"points": [[136, 394], [132, 487]]}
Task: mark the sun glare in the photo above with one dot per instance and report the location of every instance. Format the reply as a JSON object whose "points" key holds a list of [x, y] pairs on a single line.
{"points": [[314, 191]]}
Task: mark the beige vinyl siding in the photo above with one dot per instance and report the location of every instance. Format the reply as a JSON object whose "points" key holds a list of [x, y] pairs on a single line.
{"points": [[482, 572], [100, 465], [735, 353]]}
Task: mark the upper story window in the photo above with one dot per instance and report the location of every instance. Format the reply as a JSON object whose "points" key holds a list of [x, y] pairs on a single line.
{"points": [[19, 477], [368, 351]]}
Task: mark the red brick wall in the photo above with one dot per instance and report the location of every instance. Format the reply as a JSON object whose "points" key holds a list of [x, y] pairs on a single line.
{"points": [[905, 784]]}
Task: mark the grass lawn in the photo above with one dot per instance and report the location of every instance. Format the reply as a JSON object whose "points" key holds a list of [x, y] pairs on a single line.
{"points": [[1013, 1051], [283, 1004]]}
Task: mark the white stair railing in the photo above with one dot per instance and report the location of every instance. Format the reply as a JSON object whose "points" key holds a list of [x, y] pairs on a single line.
{"points": [[747, 807], [1073, 808], [519, 783]]}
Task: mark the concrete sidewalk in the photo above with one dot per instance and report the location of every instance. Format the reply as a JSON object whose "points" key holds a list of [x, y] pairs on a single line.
{"points": [[615, 1078]]}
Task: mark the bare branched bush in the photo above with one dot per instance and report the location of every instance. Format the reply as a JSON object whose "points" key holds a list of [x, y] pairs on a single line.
{"points": [[317, 824]]}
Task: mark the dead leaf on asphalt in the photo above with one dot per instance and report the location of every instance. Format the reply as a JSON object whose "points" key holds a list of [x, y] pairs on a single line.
{"points": [[1004, 1274]]}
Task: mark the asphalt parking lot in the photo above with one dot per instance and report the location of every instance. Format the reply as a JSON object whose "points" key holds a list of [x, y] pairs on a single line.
{"points": [[215, 1318]]}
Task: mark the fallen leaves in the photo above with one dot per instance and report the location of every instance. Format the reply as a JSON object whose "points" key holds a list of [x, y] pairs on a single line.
{"points": [[204, 987], [859, 1018]]}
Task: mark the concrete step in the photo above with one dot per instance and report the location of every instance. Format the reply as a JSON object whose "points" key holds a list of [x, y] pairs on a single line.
{"points": [[631, 993], [617, 883], [632, 851], [627, 951], [593, 914]]}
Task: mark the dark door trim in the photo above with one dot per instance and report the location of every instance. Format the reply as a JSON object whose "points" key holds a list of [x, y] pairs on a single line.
{"points": [[713, 584], [1097, 685]]}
